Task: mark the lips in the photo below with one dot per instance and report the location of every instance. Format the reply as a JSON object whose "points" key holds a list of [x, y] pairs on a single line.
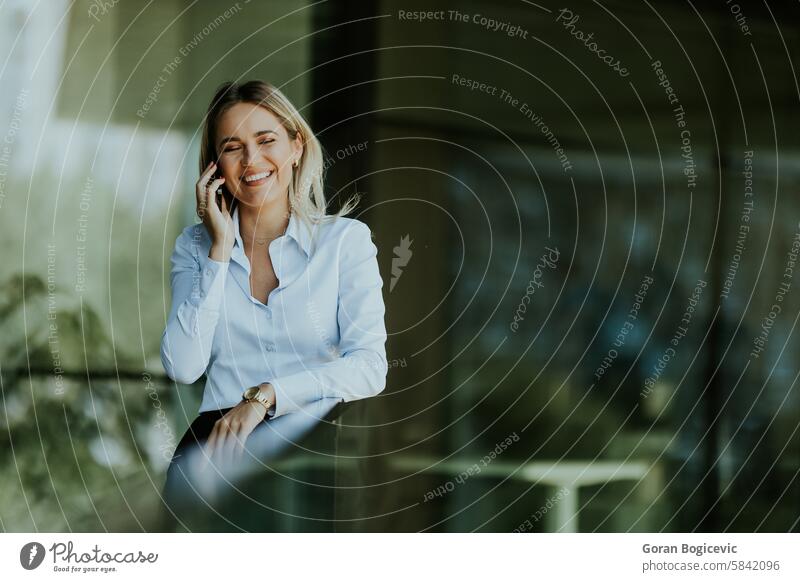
{"points": [[257, 178]]}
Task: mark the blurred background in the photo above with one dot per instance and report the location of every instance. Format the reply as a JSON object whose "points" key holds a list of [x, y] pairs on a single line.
{"points": [[587, 221]]}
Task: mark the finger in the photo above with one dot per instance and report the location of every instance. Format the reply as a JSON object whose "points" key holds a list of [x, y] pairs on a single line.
{"points": [[206, 200], [211, 193], [200, 198], [207, 173], [214, 186], [208, 449], [241, 440], [200, 189], [238, 450], [228, 454], [231, 441], [223, 436]]}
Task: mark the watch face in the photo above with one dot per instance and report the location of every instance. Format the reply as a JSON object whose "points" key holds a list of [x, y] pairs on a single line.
{"points": [[250, 393]]}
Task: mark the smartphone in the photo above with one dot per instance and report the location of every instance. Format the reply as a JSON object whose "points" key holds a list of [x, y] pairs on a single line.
{"points": [[220, 190]]}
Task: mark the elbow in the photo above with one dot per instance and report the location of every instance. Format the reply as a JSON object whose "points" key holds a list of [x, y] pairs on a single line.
{"points": [[370, 379], [183, 372], [183, 376], [377, 377], [380, 378]]}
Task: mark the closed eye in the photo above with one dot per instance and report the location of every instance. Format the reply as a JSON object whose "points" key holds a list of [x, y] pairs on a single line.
{"points": [[267, 141]]}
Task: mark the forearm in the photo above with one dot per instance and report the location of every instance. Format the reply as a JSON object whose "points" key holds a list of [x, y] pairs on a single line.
{"points": [[186, 344], [358, 375], [188, 338]]}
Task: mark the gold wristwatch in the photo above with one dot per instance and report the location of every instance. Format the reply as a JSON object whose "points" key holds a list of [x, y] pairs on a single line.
{"points": [[255, 394]]}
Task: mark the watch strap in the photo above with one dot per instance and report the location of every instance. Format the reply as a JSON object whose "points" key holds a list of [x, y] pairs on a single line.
{"points": [[258, 397]]}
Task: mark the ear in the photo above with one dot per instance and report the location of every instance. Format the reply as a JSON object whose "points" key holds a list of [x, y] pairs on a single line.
{"points": [[297, 147]]}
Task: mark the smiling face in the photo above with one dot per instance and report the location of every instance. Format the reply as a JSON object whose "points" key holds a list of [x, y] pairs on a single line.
{"points": [[255, 154]]}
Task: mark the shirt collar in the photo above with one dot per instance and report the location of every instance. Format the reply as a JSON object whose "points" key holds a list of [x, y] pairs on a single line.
{"points": [[297, 231]]}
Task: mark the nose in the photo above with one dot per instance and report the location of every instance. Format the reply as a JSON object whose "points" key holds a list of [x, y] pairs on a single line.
{"points": [[249, 155]]}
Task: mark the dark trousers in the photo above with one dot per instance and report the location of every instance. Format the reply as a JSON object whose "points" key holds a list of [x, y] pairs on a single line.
{"points": [[294, 498], [182, 503]]}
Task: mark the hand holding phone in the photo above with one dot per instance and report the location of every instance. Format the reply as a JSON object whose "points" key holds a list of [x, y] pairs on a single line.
{"points": [[212, 208]]}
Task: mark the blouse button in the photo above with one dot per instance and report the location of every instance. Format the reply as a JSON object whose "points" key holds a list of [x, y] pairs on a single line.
{"points": [[269, 346]]}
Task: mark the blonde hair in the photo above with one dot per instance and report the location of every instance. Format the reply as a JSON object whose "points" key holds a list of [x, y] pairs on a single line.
{"points": [[306, 193]]}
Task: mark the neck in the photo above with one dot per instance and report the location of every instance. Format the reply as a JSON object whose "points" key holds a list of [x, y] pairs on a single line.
{"points": [[266, 222]]}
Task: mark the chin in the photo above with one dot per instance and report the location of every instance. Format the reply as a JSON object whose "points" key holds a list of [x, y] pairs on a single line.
{"points": [[259, 197]]}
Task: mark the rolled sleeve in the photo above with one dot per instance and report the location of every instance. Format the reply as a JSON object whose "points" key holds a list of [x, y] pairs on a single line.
{"points": [[361, 370]]}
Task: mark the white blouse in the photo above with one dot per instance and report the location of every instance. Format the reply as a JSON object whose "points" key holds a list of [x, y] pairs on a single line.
{"points": [[321, 334]]}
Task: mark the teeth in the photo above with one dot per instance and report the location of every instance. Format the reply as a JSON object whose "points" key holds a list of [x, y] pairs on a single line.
{"points": [[255, 177]]}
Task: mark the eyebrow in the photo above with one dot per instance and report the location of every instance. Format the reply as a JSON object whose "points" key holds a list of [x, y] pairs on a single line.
{"points": [[225, 140]]}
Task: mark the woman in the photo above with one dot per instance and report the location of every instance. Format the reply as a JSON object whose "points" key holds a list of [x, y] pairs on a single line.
{"points": [[278, 304]]}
